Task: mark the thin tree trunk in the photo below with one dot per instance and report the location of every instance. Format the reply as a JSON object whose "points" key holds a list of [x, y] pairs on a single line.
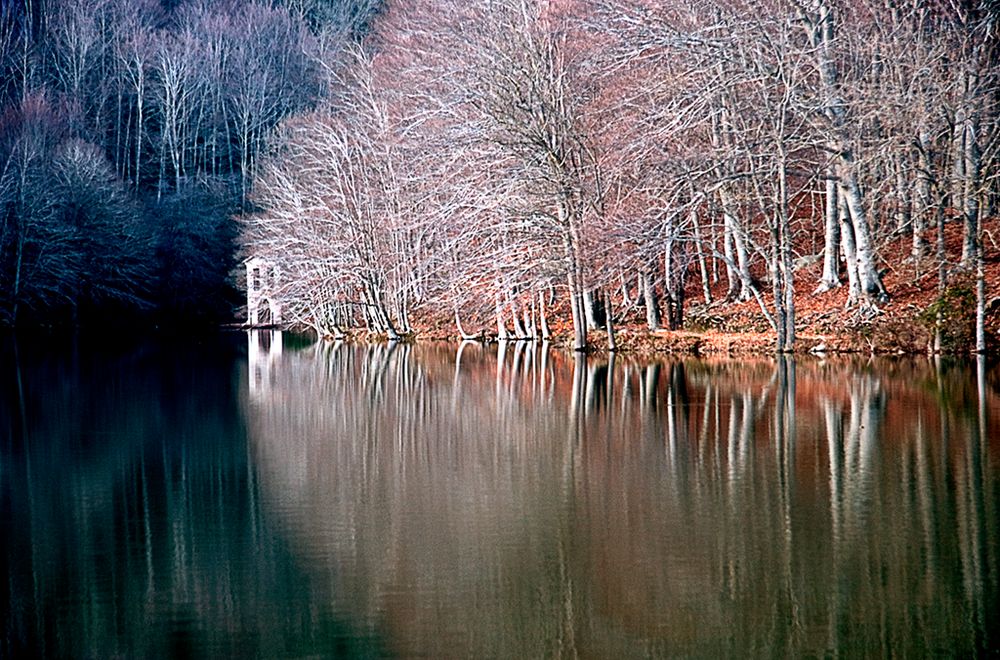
{"points": [[612, 342], [458, 324], [831, 239], [501, 326], [628, 302], [729, 252], [543, 319], [706, 290], [591, 309], [529, 319], [652, 304], [734, 230], [787, 275], [904, 205], [980, 294], [776, 285], [576, 308], [18, 267], [924, 202], [668, 280], [675, 276], [970, 191], [519, 331], [942, 269]]}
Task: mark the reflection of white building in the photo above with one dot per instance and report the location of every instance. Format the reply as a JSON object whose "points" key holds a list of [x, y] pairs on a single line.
{"points": [[262, 308], [263, 350]]}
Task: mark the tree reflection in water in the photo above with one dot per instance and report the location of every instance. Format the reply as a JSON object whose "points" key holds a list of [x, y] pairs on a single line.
{"points": [[499, 501], [514, 500]]}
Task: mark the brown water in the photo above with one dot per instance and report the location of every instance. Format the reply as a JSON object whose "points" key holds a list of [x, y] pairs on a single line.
{"points": [[279, 500]]}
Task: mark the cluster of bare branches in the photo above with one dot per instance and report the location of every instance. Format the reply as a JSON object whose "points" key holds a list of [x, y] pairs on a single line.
{"points": [[494, 155]]}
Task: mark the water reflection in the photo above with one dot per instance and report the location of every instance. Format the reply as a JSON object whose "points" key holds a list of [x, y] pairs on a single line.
{"points": [[273, 499], [515, 501], [129, 514]]}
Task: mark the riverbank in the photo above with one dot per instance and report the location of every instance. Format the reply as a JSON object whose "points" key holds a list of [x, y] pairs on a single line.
{"points": [[904, 325], [922, 315]]}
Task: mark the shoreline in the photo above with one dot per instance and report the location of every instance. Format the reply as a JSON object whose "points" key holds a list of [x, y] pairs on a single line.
{"points": [[634, 341]]}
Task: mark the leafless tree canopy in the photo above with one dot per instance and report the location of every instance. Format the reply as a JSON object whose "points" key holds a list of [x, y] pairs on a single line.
{"points": [[492, 162], [493, 157]]}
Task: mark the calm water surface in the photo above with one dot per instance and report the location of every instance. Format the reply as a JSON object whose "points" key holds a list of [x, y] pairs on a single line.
{"points": [[255, 496]]}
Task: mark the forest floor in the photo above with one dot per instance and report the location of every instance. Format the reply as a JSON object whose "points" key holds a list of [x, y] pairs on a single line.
{"points": [[905, 324]]}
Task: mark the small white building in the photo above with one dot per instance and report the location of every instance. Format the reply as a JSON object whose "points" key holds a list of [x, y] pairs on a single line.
{"points": [[262, 308]]}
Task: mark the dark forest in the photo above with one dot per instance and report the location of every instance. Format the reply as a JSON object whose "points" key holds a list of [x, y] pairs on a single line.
{"points": [[129, 135]]}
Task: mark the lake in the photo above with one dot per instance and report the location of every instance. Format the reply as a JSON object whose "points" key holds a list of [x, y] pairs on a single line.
{"points": [[255, 495]]}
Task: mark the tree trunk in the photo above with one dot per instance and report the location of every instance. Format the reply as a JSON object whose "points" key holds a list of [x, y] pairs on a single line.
{"points": [[831, 239], [675, 276], [18, 267], [574, 275], [576, 308], [649, 298], [729, 254], [628, 301], [519, 330], [980, 298], [458, 324], [903, 211], [970, 189], [501, 326], [869, 280], [734, 231], [592, 309], [612, 343], [850, 252], [542, 318], [734, 241], [942, 268], [706, 290], [924, 200], [787, 275], [776, 286]]}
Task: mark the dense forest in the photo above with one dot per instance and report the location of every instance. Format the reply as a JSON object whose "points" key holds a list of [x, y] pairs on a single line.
{"points": [[487, 160], [518, 168], [129, 136]]}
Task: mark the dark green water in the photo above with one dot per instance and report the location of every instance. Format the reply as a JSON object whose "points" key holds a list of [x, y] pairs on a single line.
{"points": [[250, 498]]}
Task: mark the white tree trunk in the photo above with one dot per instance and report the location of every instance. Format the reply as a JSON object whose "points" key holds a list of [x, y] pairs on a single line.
{"points": [[501, 326], [970, 189], [590, 309], [542, 318], [706, 290], [831, 239], [609, 324], [850, 252], [980, 298], [924, 199], [649, 298], [869, 280], [576, 307], [734, 229]]}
